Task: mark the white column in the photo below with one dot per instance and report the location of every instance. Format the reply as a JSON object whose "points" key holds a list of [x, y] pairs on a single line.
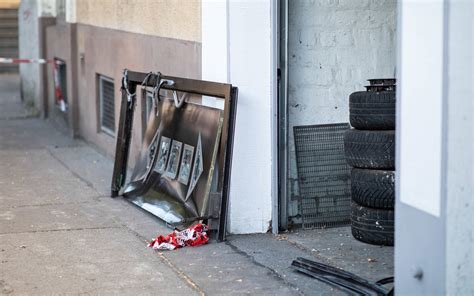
{"points": [[214, 18], [242, 55]]}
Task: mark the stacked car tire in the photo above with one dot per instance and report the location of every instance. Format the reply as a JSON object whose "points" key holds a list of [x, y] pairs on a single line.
{"points": [[370, 150]]}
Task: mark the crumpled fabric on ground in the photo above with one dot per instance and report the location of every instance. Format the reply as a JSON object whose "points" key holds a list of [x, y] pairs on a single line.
{"points": [[193, 236]]}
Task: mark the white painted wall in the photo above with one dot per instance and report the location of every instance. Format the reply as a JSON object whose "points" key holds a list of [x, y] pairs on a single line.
{"points": [[460, 165], [215, 51], [29, 12], [46, 8], [334, 46], [435, 115], [249, 62], [28, 48], [421, 93], [71, 11]]}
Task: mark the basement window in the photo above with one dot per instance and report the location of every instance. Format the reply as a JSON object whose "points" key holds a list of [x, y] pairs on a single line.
{"points": [[60, 84], [107, 105]]}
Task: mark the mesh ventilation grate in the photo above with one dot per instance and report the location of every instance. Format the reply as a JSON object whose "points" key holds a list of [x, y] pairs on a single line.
{"points": [[323, 175], [107, 103]]}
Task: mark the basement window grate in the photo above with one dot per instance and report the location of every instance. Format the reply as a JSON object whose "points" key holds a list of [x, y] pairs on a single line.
{"points": [[323, 175], [107, 105]]}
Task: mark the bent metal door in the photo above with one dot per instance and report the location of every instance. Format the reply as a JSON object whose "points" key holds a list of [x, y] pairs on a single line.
{"points": [[182, 172]]}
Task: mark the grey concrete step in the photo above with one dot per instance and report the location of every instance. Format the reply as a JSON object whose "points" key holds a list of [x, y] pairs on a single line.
{"points": [[8, 27], [8, 14], [8, 45], [8, 18], [9, 42], [5, 68], [13, 24], [9, 37], [9, 52], [8, 33]]}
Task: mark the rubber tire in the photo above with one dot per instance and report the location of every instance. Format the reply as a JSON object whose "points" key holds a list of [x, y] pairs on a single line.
{"points": [[372, 226], [370, 149], [372, 110], [373, 188]]}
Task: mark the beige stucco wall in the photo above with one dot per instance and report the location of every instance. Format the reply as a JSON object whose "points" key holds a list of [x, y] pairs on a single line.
{"points": [[178, 19], [137, 52], [9, 3]]}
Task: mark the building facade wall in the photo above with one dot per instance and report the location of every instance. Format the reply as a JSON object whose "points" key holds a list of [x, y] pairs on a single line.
{"points": [[60, 45], [103, 38], [171, 19], [9, 4], [108, 52]]}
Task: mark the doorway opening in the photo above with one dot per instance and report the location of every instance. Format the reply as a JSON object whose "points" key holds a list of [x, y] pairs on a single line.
{"points": [[327, 51]]}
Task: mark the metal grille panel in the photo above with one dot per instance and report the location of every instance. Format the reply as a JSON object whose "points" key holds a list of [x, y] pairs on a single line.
{"points": [[107, 104], [323, 175]]}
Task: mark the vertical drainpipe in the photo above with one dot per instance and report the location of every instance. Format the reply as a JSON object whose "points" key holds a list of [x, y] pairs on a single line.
{"points": [[282, 127], [274, 5]]}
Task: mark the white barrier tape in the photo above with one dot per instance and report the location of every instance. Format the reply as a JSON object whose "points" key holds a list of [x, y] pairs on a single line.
{"points": [[29, 61]]}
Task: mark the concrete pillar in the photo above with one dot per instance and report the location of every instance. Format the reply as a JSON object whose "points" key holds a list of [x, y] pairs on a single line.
{"points": [[239, 48], [435, 136], [33, 17], [459, 150], [28, 48]]}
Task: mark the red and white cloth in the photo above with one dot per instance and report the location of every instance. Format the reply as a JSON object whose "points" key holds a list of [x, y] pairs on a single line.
{"points": [[193, 236]]}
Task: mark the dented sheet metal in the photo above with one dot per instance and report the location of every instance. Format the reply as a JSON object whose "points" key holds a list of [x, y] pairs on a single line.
{"points": [[182, 173], [173, 174]]}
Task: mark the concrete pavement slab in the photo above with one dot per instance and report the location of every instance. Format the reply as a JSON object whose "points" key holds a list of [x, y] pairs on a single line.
{"points": [[219, 270], [93, 261], [137, 220], [32, 133], [34, 177], [89, 164], [277, 254], [100, 245], [55, 217], [337, 246], [11, 105]]}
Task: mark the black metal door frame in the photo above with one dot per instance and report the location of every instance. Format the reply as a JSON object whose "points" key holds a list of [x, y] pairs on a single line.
{"points": [[124, 134]]}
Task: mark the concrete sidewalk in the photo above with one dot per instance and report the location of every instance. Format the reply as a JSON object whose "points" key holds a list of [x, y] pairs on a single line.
{"points": [[61, 233]]}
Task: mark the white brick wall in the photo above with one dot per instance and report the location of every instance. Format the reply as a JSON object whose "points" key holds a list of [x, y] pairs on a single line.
{"points": [[334, 46]]}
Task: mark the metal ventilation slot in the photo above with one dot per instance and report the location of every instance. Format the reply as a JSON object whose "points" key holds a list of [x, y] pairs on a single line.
{"points": [[323, 175], [107, 105]]}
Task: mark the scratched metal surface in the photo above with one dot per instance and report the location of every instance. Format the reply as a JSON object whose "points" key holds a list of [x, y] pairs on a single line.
{"points": [[165, 187]]}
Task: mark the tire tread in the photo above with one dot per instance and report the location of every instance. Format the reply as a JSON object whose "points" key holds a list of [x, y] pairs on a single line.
{"points": [[373, 188], [370, 149], [372, 226], [372, 110]]}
